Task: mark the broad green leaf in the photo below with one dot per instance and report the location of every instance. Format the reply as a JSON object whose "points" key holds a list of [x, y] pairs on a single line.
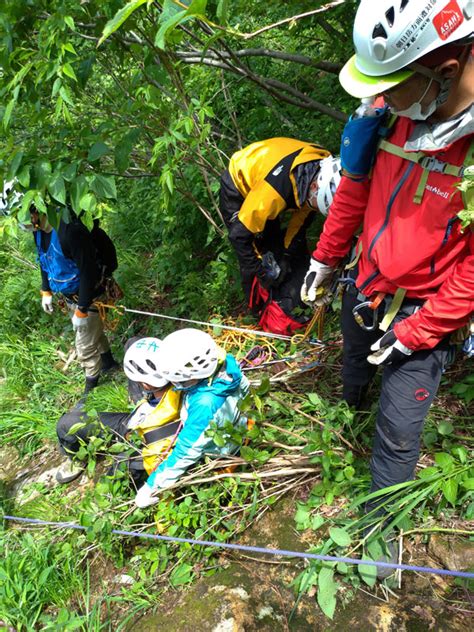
{"points": [[69, 71], [78, 190], [302, 517], [69, 172], [468, 484], [8, 112], [23, 176], [26, 202], [445, 428], [14, 165], [88, 202], [42, 173], [119, 18], [65, 94], [368, 572], [317, 521], [70, 22], [104, 186], [182, 574], [97, 150], [450, 490], [340, 536], [444, 460], [57, 189], [327, 589], [222, 11]]}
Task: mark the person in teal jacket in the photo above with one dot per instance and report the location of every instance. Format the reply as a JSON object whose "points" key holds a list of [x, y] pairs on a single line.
{"points": [[212, 385]]}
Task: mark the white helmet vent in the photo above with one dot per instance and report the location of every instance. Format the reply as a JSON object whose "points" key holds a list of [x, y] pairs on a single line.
{"points": [[140, 363]]}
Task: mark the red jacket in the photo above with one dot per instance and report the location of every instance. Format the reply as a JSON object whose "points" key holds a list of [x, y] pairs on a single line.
{"points": [[417, 247]]}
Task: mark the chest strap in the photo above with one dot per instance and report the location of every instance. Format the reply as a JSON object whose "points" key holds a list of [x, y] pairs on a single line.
{"points": [[428, 164], [163, 432]]}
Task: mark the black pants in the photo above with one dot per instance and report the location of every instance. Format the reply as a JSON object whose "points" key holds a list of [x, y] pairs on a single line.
{"points": [[110, 425], [113, 427], [271, 238], [407, 392]]}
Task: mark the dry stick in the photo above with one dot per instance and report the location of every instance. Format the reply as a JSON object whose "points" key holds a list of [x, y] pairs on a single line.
{"points": [[284, 430], [230, 109], [300, 16], [400, 553]]}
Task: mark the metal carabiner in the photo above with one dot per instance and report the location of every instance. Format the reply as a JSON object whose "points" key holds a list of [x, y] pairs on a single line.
{"points": [[360, 321]]}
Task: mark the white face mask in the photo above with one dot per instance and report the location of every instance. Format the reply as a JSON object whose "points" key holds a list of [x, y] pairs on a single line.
{"points": [[415, 113]]}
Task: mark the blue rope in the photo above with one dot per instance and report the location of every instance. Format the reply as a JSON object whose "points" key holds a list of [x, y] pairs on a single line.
{"points": [[253, 549]]}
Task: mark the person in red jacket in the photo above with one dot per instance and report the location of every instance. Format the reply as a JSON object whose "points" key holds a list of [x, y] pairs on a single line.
{"points": [[412, 280]]}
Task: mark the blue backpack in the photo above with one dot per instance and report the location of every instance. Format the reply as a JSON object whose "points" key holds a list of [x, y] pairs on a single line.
{"points": [[63, 274]]}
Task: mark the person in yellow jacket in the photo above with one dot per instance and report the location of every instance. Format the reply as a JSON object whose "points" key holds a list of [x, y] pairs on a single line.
{"points": [[155, 419], [263, 180]]}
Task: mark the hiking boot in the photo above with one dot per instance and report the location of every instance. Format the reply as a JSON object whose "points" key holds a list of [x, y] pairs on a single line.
{"points": [[68, 472], [391, 557], [109, 363], [382, 550], [91, 382]]}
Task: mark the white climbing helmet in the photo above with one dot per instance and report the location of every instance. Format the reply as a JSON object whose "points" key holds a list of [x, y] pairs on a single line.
{"points": [[389, 35], [328, 179], [140, 362], [188, 354]]}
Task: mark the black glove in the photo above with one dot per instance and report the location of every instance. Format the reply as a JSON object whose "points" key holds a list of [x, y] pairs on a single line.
{"points": [[388, 350]]}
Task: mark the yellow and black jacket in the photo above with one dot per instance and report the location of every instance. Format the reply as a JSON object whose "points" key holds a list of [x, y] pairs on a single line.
{"points": [[157, 427], [264, 175]]}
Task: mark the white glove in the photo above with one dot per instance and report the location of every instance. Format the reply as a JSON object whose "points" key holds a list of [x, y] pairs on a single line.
{"points": [[47, 301], [145, 497], [315, 289], [388, 350], [80, 320]]}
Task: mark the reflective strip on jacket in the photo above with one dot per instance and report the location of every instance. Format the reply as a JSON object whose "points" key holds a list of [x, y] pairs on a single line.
{"points": [[418, 247], [202, 405], [62, 272]]}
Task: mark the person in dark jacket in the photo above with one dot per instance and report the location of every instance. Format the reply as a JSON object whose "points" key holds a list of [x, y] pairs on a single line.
{"points": [[77, 263]]}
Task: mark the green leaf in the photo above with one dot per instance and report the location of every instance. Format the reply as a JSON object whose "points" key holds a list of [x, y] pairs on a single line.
{"points": [[42, 173], [8, 112], [450, 490], [444, 460], [302, 517], [57, 189], [97, 150], [340, 536], [104, 186], [65, 94], [23, 176], [468, 484], [26, 202], [78, 190], [317, 521], [368, 572], [119, 18], [445, 428], [14, 165], [182, 574], [222, 11], [88, 202], [70, 22], [327, 589], [69, 71]]}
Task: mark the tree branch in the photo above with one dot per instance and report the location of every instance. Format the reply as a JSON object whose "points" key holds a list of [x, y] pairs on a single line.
{"points": [[327, 66]]}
